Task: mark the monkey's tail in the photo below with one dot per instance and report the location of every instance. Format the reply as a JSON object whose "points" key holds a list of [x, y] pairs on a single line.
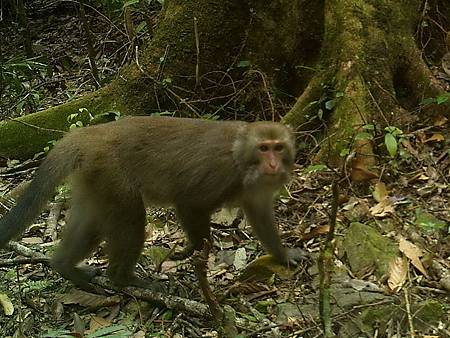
{"points": [[51, 172]]}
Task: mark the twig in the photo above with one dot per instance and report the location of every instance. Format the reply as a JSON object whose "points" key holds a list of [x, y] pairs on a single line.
{"points": [[224, 318], [197, 47], [24, 251], [199, 260], [21, 261], [167, 256], [52, 220], [89, 44], [408, 313], [326, 266], [36, 127], [172, 302]]}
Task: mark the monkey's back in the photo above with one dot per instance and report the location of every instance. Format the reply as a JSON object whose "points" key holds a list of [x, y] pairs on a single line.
{"points": [[167, 160]]}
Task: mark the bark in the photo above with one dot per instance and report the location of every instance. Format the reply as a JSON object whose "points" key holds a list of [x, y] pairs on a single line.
{"points": [[372, 66], [363, 56]]}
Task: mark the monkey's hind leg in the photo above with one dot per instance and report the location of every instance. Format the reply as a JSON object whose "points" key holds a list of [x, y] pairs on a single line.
{"points": [[125, 240], [80, 239], [196, 224]]}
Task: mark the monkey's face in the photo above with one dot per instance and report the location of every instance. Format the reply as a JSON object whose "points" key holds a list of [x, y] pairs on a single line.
{"points": [[271, 155], [266, 153]]}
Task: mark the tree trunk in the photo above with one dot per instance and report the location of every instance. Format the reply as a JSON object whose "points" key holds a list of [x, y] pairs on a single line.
{"points": [[350, 63]]}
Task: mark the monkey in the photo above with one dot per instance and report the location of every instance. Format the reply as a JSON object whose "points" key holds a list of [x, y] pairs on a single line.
{"points": [[118, 168]]}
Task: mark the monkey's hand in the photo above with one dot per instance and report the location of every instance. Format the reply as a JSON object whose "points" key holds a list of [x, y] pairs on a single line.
{"points": [[294, 256]]}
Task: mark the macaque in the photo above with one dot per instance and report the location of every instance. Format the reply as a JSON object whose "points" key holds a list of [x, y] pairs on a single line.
{"points": [[194, 165]]}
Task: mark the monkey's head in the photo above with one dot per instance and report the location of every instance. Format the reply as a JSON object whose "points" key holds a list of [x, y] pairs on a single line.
{"points": [[267, 150]]}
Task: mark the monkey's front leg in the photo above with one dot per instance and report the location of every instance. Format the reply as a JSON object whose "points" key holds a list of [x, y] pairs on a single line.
{"points": [[259, 213]]}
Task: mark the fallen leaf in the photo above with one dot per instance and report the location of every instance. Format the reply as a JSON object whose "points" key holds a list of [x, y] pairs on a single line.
{"points": [[360, 172], [413, 252], [435, 137], [383, 208], [87, 299], [97, 323], [407, 145], [240, 259], [316, 232], [379, 192], [139, 334], [398, 269], [439, 121], [32, 240], [7, 305], [246, 288], [78, 324]]}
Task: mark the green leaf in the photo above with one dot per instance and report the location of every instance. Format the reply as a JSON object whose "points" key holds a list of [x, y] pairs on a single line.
{"points": [[71, 117], [315, 168], [320, 114], [368, 127], [391, 144], [428, 222], [363, 136], [129, 3], [428, 100], [442, 98], [344, 152], [141, 26], [244, 64], [330, 104], [393, 130]]}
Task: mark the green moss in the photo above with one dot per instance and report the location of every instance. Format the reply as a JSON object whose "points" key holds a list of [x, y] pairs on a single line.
{"points": [[425, 314], [365, 247], [23, 137]]}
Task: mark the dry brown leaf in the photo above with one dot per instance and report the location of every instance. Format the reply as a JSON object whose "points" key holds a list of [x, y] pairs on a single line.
{"points": [[97, 323], [413, 252], [439, 121], [383, 208], [380, 191], [360, 172], [246, 288], [316, 232], [435, 137], [398, 269], [409, 147], [87, 299]]}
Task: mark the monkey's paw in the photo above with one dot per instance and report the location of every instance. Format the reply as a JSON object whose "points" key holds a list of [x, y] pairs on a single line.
{"points": [[294, 256]]}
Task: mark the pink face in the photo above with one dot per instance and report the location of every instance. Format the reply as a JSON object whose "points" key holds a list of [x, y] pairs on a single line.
{"points": [[271, 154]]}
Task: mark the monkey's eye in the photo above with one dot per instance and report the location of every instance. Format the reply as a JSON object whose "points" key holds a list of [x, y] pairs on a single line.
{"points": [[278, 147], [263, 148]]}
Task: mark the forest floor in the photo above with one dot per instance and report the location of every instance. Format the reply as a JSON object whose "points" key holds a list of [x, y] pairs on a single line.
{"points": [[392, 262]]}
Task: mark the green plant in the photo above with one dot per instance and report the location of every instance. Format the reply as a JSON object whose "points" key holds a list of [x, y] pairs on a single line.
{"points": [[440, 99], [17, 76], [391, 139]]}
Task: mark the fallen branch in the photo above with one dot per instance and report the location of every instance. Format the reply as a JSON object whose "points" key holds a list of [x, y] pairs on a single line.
{"points": [[21, 261], [24, 251], [172, 302]]}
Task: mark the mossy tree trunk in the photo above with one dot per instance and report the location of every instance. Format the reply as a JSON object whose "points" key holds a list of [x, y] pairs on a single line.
{"points": [[339, 63]]}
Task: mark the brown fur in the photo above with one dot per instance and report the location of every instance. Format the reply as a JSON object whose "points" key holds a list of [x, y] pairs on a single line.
{"points": [[194, 165]]}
